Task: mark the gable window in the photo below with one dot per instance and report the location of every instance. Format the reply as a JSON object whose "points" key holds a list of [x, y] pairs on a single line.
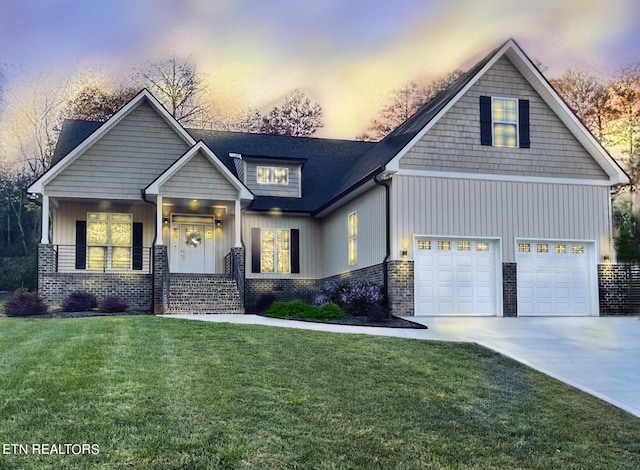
{"points": [[273, 175], [275, 251], [109, 240], [352, 228], [504, 122]]}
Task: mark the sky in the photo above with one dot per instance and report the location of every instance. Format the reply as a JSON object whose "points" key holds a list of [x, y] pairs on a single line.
{"points": [[345, 54]]}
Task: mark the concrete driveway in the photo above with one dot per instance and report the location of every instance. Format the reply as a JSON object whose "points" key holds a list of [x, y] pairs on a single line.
{"points": [[599, 355]]}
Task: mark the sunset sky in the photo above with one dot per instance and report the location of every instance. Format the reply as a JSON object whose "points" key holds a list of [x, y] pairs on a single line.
{"points": [[346, 55]]}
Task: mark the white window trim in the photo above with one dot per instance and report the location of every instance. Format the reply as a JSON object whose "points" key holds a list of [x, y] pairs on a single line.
{"points": [[352, 258], [109, 246], [275, 250], [272, 170], [495, 121]]}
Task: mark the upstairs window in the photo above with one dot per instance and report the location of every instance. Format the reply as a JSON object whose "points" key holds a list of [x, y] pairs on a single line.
{"points": [[273, 175], [504, 122]]}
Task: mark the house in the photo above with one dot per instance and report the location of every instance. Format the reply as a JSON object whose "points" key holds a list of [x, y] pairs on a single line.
{"points": [[493, 199]]}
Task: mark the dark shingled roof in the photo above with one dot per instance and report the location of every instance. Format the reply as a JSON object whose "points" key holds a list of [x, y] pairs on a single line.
{"points": [[332, 168]]}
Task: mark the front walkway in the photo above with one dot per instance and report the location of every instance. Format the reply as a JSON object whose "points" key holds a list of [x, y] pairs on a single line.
{"points": [[600, 356]]}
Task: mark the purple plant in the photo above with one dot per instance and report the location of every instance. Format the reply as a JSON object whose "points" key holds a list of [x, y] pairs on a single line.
{"points": [[356, 297], [79, 301], [113, 304], [24, 303]]}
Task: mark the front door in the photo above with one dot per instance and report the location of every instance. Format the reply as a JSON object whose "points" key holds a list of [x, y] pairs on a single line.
{"points": [[193, 249]]}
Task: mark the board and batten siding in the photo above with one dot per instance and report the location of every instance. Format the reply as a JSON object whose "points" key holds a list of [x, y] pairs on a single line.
{"points": [[371, 216], [67, 213], [453, 143], [310, 243], [126, 159], [199, 178], [498, 209], [279, 190]]}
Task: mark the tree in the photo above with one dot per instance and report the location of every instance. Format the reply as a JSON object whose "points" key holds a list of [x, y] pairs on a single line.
{"points": [[404, 103], [625, 130], [627, 240], [247, 119], [589, 96], [298, 116], [96, 104], [179, 87]]}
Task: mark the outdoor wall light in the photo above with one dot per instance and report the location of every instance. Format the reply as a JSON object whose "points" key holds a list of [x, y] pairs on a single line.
{"points": [[218, 222], [404, 253], [165, 220], [606, 257]]}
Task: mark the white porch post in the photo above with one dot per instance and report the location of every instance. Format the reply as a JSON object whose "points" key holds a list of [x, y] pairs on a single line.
{"points": [[45, 220], [159, 240], [238, 219]]}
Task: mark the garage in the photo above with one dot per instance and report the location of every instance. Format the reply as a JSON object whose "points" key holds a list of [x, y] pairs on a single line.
{"points": [[457, 276], [556, 278]]}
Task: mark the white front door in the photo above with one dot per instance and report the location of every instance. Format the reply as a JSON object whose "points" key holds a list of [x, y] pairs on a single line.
{"points": [[192, 249], [456, 276], [556, 278]]}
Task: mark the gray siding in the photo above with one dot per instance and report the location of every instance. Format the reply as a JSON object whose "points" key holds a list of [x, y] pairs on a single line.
{"points": [[310, 243], [370, 210], [125, 160], [197, 178], [290, 190], [498, 209], [453, 143]]}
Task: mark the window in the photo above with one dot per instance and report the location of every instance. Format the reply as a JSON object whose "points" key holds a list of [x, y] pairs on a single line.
{"points": [[352, 228], [561, 248], [109, 240], [275, 252], [464, 246], [504, 117], [577, 249], [424, 245], [444, 245], [272, 175], [482, 246], [543, 248], [524, 247], [504, 122]]}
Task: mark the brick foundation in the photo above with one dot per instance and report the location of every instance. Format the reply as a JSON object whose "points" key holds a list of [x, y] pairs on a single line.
{"points": [[401, 288], [509, 290], [619, 289]]}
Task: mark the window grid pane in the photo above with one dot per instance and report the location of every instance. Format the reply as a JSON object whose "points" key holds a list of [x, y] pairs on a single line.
{"points": [[444, 245], [482, 246], [524, 247]]}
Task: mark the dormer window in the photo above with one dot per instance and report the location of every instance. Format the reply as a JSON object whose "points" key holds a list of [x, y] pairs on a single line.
{"points": [[504, 122], [272, 175]]}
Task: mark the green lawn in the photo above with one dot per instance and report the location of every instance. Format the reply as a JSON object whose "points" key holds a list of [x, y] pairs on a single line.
{"points": [[165, 393]]}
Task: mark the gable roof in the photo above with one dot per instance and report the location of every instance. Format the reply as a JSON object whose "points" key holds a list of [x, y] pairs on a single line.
{"points": [[154, 186], [93, 132]]}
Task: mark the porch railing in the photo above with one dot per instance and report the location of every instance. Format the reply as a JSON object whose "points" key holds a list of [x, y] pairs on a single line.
{"points": [[72, 258]]}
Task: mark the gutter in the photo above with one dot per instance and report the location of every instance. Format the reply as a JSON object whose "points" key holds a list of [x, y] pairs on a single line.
{"points": [[385, 268]]}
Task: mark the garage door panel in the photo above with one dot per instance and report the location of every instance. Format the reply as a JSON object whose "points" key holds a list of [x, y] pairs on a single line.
{"points": [[558, 281], [461, 276]]}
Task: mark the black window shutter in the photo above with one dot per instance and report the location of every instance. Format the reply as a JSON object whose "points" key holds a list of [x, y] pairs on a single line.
{"points": [[486, 137], [523, 123], [81, 244], [255, 250], [295, 250], [137, 246]]}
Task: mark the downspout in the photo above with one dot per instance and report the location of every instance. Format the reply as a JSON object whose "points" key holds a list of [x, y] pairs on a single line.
{"points": [[385, 268], [153, 245]]}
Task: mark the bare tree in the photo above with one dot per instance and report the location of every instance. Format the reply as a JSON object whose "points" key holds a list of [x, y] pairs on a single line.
{"points": [[404, 103], [298, 116], [179, 87], [248, 119], [93, 103]]}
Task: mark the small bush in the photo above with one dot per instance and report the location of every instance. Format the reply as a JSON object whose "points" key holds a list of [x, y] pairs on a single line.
{"points": [[24, 303], [79, 301], [303, 311], [331, 310], [113, 305]]}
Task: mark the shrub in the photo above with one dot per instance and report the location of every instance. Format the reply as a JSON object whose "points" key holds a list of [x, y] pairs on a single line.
{"points": [[356, 297], [295, 308], [113, 304], [332, 310], [24, 303], [79, 301]]}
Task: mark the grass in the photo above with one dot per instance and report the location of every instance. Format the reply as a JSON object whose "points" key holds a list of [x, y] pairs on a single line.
{"points": [[164, 393]]}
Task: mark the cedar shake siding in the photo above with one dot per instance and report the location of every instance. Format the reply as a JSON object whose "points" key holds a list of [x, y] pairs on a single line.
{"points": [[454, 143]]}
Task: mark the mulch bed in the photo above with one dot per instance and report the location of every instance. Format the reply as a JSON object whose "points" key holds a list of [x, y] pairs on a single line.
{"points": [[392, 322]]}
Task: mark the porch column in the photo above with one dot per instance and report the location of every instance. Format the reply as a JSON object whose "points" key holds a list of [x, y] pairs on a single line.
{"points": [[45, 220], [238, 220], [159, 221]]}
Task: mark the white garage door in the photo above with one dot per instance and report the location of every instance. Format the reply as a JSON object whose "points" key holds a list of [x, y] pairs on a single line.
{"points": [[456, 276], [556, 278]]}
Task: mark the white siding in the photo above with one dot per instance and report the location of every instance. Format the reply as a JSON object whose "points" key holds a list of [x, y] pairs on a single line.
{"points": [[370, 208], [500, 209], [453, 143], [310, 242], [125, 160], [199, 178]]}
